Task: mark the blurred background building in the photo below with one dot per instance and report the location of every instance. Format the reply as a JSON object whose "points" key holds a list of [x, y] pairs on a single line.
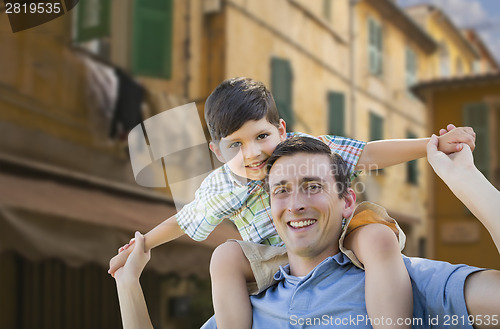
{"points": [[71, 90]]}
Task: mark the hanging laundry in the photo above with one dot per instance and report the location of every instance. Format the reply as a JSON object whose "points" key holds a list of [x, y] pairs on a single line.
{"points": [[127, 112]]}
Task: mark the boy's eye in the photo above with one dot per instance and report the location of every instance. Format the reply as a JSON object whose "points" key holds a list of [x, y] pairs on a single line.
{"points": [[279, 190], [262, 136], [234, 145]]}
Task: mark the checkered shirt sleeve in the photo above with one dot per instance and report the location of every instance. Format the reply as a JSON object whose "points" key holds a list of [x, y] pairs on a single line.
{"points": [[218, 198], [349, 149]]}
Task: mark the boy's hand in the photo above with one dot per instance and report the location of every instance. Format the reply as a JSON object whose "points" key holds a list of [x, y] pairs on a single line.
{"points": [[451, 139], [119, 260], [449, 167], [125, 246]]}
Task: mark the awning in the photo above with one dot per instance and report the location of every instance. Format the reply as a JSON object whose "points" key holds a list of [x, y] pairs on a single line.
{"points": [[43, 218]]}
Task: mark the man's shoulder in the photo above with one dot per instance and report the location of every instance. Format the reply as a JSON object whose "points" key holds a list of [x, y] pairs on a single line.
{"points": [[434, 275], [425, 265]]}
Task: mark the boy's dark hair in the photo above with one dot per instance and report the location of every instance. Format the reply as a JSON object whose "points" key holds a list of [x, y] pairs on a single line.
{"points": [[339, 168], [236, 101]]}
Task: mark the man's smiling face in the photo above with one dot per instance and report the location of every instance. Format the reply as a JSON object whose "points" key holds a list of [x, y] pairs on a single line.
{"points": [[305, 204]]}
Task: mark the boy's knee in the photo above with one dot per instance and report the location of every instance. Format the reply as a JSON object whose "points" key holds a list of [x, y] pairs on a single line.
{"points": [[379, 239], [226, 257]]}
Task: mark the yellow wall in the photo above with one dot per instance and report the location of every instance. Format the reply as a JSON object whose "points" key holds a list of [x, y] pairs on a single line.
{"points": [[257, 31]]}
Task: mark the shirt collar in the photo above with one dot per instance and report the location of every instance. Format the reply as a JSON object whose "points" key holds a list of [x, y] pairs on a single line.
{"points": [[242, 181], [338, 259]]}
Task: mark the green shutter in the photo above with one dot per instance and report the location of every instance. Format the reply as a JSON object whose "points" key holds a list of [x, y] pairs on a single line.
{"points": [[411, 70], [281, 87], [376, 131], [408, 67], [372, 55], [152, 38], [336, 113], [476, 115], [93, 19], [376, 127], [379, 44], [412, 166]]}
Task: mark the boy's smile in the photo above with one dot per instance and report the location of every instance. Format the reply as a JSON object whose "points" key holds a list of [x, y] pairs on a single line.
{"points": [[246, 150]]}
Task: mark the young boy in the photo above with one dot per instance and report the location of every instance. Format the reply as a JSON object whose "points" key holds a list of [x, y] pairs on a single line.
{"points": [[245, 128]]}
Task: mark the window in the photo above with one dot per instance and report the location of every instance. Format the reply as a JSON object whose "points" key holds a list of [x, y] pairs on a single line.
{"points": [[375, 46], [411, 69], [412, 166], [281, 87], [93, 19], [476, 115], [336, 113], [459, 66], [327, 10], [444, 59], [476, 66], [152, 38]]}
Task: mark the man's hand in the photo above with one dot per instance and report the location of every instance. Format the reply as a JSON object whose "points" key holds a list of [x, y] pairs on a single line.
{"points": [[449, 167], [452, 139], [135, 262], [119, 260]]}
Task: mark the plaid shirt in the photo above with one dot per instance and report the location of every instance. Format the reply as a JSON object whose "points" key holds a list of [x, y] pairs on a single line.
{"points": [[222, 196]]}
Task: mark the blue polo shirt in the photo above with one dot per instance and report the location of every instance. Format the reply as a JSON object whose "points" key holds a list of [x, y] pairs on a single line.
{"points": [[332, 295]]}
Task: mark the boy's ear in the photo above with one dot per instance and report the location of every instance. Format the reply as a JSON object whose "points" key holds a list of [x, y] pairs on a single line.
{"points": [[282, 130], [214, 147]]}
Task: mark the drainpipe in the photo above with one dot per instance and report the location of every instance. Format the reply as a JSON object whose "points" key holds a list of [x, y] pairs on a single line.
{"points": [[187, 50], [352, 66]]}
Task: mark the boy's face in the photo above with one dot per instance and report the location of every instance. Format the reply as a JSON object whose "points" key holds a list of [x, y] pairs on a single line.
{"points": [[246, 150]]}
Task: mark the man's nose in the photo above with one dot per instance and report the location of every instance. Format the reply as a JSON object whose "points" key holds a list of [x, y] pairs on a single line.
{"points": [[296, 202]]}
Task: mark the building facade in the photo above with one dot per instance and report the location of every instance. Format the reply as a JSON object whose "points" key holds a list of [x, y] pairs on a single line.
{"points": [[71, 90]]}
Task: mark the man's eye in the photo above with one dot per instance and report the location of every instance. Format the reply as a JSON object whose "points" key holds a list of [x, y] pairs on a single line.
{"points": [[312, 188], [262, 136], [234, 145]]}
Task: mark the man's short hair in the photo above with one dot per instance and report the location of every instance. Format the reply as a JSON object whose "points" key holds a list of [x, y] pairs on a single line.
{"points": [[236, 101], [339, 168]]}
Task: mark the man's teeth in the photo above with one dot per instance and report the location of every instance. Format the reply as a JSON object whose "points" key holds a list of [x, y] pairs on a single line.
{"points": [[302, 223], [256, 165]]}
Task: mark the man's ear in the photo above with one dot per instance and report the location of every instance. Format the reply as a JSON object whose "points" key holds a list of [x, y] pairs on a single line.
{"points": [[350, 203], [282, 130], [214, 147]]}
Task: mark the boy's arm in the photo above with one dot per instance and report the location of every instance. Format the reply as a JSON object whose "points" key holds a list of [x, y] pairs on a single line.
{"points": [[166, 231], [483, 199], [385, 153]]}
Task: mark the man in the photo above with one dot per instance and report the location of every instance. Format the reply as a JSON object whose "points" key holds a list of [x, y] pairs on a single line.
{"points": [[310, 196]]}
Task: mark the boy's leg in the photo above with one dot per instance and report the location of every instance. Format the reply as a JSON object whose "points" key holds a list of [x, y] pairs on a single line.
{"points": [[230, 271], [388, 291]]}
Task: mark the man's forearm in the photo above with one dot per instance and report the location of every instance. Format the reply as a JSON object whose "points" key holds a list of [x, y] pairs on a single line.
{"points": [[385, 153], [133, 305], [479, 196]]}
